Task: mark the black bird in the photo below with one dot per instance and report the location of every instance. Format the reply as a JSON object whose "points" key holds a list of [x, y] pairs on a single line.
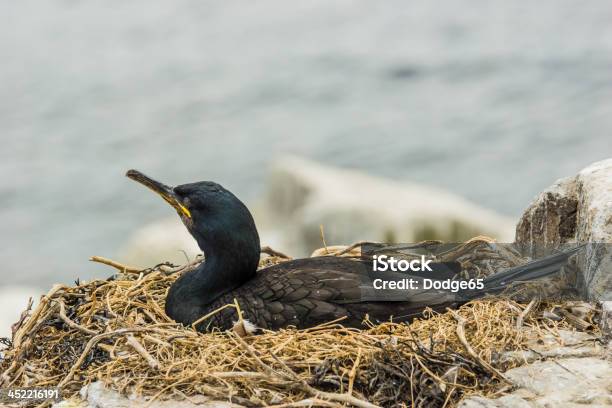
{"points": [[303, 292]]}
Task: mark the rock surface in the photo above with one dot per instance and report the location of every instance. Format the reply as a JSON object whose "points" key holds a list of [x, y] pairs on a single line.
{"points": [[606, 319], [569, 382], [575, 209], [96, 395], [564, 344]]}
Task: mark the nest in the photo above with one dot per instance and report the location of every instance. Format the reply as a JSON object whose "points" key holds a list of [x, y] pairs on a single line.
{"points": [[115, 331]]}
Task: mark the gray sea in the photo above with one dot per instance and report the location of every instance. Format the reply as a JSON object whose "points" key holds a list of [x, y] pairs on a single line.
{"points": [[492, 100]]}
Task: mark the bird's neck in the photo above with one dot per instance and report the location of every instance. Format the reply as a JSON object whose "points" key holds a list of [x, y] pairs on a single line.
{"points": [[231, 255], [223, 271]]}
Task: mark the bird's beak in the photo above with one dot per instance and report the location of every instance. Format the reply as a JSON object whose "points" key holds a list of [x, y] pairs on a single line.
{"points": [[166, 192]]}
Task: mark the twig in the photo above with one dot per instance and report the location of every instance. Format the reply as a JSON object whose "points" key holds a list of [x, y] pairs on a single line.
{"points": [[524, 313], [115, 264], [17, 325], [239, 374], [461, 334], [267, 250], [323, 237], [156, 341], [353, 246], [71, 323], [269, 370], [240, 319], [153, 363], [185, 255], [353, 372], [339, 250], [326, 324], [214, 312], [169, 270], [308, 402]]}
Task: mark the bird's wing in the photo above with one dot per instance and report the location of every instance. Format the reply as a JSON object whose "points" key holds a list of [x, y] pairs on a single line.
{"points": [[299, 293], [306, 292]]}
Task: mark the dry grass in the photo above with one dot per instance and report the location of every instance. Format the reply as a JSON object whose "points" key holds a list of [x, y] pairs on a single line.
{"points": [[116, 331]]}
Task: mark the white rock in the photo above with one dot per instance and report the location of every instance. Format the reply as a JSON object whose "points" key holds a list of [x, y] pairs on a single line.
{"points": [[578, 209], [96, 395], [570, 382], [507, 401], [165, 240], [352, 206], [562, 344]]}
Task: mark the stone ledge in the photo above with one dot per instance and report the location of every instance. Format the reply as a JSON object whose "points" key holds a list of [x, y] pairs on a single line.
{"points": [[569, 382]]}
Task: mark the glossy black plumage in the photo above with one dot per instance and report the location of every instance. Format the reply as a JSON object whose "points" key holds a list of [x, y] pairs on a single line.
{"points": [[307, 292], [301, 293]]}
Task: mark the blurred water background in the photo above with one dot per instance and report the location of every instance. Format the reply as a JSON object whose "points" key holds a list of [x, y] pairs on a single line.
{"points": [[492, 100]]}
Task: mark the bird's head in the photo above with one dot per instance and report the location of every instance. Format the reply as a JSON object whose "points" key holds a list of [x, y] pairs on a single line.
{"points": [[215, 217]]}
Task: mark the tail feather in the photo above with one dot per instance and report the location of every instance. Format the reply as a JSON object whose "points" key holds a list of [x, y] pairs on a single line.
{"points": [[537, 269]]}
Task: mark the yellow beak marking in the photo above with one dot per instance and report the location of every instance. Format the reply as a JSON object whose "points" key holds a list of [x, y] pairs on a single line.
{"points": [[185, 210]]}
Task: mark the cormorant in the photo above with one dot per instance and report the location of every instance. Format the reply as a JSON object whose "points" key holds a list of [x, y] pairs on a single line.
{"points": [[303, 292]]}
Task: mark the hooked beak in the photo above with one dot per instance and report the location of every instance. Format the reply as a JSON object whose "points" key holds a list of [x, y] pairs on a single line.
{"points": [[166, 192]]}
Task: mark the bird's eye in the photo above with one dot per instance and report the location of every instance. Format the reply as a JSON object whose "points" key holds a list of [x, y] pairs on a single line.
{"points": [[186, 202]]}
